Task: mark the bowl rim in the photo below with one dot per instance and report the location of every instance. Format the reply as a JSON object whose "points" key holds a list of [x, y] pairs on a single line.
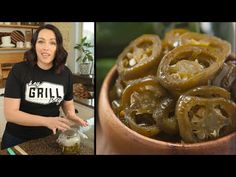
{"points": [[105, 96]]}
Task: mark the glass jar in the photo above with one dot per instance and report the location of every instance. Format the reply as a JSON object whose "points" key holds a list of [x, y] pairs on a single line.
{"points": [[69, 141], [28, 36]]}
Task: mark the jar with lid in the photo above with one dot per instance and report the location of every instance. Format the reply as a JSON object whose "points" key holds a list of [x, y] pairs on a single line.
{"points": [[69, 141]]}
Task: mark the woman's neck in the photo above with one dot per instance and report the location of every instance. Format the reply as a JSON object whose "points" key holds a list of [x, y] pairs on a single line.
{"points": [[44, 66]]}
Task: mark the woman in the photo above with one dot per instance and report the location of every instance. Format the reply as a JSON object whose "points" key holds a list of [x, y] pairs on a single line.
{"points": [[35, 90]]}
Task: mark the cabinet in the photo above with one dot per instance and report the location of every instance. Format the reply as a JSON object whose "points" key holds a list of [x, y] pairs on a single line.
{"points": [[10, 56], [8, 29]]}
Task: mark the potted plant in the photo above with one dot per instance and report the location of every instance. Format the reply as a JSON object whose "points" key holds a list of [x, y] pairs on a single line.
{"points": [[85, 57]]}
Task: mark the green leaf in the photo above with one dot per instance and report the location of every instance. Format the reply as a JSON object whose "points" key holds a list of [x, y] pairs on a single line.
{"points": [[83, 40], [83, 47], [90, 57]]}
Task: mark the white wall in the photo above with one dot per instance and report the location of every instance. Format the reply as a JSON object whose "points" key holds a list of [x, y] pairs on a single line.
{"points": [[71, 33], [234, 41], [77, 38]]}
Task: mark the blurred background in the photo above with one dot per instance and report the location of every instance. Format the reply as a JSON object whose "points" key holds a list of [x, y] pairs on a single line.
{"points": [[113, 37]]}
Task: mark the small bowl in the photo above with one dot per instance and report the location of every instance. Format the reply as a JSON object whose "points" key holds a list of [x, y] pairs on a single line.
{"points": [[123, 140]]}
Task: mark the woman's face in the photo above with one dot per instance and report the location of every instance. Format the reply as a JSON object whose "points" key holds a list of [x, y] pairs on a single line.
{"points": [[46, 46]]}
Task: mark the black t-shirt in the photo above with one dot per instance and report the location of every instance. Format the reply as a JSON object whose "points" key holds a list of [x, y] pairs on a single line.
{"points": [[42, 92]]}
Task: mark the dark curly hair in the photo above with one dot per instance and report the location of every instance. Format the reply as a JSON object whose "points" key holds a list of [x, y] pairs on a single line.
{"points": [[60, 56]]}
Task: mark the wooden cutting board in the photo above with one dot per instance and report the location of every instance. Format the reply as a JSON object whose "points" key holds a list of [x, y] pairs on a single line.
{"points": [[17, 36]]}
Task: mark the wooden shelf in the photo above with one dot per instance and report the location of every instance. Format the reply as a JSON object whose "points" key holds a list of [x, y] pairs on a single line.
{"points": [[7, 60], [6, 67], [20, 26], [13, 48]]}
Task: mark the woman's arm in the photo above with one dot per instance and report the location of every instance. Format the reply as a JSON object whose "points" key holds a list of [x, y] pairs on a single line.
{"points": [[14, 115], [69, 110]]}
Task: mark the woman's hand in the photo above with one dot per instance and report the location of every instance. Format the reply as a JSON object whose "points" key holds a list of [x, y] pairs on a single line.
{"points": [[72, 116], [59, 123]]}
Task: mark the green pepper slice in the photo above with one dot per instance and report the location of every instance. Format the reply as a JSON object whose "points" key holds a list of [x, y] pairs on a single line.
{"points": [[164, 115], [147, 86], [186, 67], [222, 47], [226, 78], [139, 100], [172, 37], [143, 123], [208, 92], [140, 57], [205, 116]]}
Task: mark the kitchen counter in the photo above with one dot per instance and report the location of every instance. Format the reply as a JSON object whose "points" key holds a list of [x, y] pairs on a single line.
{"points": [[47, 146]]}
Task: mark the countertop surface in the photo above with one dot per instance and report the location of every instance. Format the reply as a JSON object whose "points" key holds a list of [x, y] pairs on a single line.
{"points": [[46, 146], [49, 146]]}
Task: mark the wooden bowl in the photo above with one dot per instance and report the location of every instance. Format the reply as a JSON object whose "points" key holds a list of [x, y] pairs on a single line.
{"points": [[123, 140]]}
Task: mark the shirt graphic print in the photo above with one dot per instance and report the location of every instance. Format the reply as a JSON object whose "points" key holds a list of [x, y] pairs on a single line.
{"points": [[44, 93]]}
